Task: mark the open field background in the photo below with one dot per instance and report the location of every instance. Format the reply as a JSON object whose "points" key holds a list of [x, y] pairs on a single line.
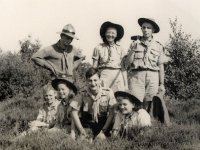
{"points": [[20, 99]]}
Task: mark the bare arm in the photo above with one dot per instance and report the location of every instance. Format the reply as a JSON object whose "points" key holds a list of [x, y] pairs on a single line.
{"points": [[78, 62], [109, 119], [77, 121], [95, 63], [161, 78]]}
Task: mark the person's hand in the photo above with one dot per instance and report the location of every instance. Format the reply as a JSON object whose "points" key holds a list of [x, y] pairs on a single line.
{"points": [[161, 89], [114, 134], [101, 136], [59, 73]]}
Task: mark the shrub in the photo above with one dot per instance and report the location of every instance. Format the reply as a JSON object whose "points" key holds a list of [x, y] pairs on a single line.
{"points": [[18, 75], [182, 73]]}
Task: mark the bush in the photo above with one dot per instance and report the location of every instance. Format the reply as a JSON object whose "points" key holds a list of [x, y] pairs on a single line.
{"points": [[18, 75], [182, 73]]}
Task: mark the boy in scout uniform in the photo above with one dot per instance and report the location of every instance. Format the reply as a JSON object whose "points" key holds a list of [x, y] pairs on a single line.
{"points": [[95, 105], [60, 58], [144, 63]]}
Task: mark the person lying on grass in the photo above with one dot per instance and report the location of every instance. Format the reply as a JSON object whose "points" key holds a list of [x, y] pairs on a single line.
{"points": [[129, 115], [47, 113], [95, 105], [66, 91]]}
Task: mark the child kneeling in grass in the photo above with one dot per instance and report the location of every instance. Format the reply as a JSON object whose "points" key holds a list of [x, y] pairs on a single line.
{"points": [[66, 91], [129, 115], [47, 113]]}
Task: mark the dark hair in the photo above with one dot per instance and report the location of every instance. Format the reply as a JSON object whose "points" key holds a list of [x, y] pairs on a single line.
{"points": [[104, 36], [137, 106], [90, 72]]}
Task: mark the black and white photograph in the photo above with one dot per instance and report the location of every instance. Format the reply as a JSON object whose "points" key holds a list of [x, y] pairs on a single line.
{"points": [[99, 75]]}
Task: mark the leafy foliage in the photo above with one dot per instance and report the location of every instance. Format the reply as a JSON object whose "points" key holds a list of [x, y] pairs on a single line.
{"points": [[183, 72], [18, 75]]}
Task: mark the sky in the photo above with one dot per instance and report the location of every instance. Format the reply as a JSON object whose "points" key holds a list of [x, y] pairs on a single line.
{"points": [[42, 19]]}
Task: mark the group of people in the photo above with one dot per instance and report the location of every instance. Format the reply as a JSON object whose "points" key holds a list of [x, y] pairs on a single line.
{"points": [[119, 87]]}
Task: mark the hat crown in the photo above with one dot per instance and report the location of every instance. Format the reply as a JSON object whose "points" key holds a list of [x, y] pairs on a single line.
{"points": [[69, 28]]}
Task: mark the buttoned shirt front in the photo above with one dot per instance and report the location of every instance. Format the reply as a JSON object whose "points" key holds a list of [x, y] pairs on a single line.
{"points": [[59, 57], [108, 55], [85, 100], [47, 114], [145, 54]]}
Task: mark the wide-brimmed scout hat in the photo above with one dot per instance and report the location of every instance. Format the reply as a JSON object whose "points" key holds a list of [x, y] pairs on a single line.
{"points": [[64, 79], [107, 24], [69, 30], [128, 94], [151, 21]]}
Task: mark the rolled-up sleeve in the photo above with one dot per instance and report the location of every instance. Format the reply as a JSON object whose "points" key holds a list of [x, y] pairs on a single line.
{"points": [[76, 103], [42, 53]]}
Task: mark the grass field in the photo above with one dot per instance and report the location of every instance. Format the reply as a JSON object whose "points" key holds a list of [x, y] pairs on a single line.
{"points": [[184, 133]]}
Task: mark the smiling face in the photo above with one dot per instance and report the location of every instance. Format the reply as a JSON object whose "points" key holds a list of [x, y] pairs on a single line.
{"points": [[63, 90], [65, 39], [125, 106], [94, 83], [50, 96], [147, 29], [111, 34]]}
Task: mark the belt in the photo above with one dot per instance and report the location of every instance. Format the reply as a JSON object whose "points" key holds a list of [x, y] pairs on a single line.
{"points": [[109, 68], [144, 69]]}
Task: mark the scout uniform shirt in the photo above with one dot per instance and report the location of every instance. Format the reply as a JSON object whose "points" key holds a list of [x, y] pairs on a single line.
{"points": [[47, 114], [108, 56], [123, 124], [59, 58], [96, 106], [145, 55]]}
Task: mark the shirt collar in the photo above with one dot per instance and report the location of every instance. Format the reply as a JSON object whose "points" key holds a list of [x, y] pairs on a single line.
{"points": [[98, 96], [62, 48], [147, 42]]}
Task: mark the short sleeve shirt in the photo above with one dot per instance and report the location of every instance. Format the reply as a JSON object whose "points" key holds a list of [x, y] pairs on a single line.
{"points": [[145, 54], [108, 56], [141, 118], [84, 100], [48, 114], [58, 57]]}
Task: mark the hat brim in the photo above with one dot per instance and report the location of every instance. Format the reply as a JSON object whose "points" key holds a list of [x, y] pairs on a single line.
{"points": [[67, 82], [154, 24], [106, 25], [133, 99], [69, 34]]}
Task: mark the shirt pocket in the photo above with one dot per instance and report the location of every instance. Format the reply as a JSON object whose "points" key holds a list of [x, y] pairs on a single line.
{"points": [[104, 104], [103, 54], [154, 55]]}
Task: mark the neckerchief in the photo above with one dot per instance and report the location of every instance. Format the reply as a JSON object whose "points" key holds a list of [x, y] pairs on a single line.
{"points": [[96, 101]]}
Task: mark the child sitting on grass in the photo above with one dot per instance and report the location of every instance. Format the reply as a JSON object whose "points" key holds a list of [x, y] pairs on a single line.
{"points": [[47, 113], [66, 91], [129, 115]]}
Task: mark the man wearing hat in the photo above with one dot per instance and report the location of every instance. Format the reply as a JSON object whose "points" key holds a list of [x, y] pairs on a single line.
{"points": [[62, 57], [144, 63]]}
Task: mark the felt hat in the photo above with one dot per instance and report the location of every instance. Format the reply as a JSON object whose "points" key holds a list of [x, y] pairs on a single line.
{"points": [[66, 80], [107, 24], [128, 94], [68, 30], [151, 21]]}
